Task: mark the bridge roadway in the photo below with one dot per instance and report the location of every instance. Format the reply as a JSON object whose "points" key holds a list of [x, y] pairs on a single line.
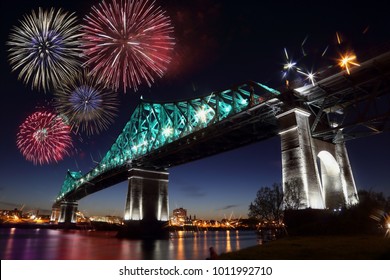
{"points": [[251, 118]]}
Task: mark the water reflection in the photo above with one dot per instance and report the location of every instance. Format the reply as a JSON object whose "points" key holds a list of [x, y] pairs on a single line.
{"points": [[228, 241], [50, 244]]}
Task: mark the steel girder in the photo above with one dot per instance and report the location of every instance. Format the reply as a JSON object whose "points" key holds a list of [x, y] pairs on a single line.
{"points": [[155, 125]]}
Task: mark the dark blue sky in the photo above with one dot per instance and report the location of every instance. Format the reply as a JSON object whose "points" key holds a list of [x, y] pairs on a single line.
{"points": [[218, 44]]}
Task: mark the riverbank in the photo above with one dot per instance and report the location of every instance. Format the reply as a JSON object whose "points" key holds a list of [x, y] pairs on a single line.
{"points": [[326, 247], [102, 226]]}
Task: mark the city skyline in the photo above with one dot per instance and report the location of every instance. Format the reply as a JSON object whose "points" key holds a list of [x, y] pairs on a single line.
{"points": [[217, 45]]}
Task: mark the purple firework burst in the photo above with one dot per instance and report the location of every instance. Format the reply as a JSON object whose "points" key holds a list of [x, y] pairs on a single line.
{"points": [[87, 104]]}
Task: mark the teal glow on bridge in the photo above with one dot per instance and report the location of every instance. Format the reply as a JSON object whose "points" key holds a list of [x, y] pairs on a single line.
{"points": [[153, 125]]}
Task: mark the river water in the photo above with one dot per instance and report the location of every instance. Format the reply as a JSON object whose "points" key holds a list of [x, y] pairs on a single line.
{"points": [[55, 244]]}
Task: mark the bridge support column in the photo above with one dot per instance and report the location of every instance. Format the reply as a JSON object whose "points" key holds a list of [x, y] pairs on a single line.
{"points": [[68, 213], [147, 211], [55, 215], [348, 182], [322, 167]]}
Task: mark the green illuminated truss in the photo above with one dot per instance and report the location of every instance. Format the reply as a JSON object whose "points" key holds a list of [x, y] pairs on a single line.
{"points": [[153, 125]]}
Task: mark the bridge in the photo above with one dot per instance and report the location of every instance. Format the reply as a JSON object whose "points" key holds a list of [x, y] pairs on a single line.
{"points": [[312, 121]]}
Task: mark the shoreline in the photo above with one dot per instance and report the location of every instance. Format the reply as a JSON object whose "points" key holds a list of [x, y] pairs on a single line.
{"points": [[111, 227]]}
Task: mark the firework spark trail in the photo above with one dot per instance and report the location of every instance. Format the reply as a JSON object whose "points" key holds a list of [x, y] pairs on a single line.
{"points": [[44, 138], [325, 50], [338, 37], [45, 48], [347, 59], [303, 43], [87, 104], [127, 42]]}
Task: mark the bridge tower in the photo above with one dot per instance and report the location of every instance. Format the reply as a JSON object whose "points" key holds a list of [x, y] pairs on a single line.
{"points": [[146, 211], [322, 167]]}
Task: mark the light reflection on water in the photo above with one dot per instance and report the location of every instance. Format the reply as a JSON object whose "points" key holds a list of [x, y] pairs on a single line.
{"points": [[49, 244]]}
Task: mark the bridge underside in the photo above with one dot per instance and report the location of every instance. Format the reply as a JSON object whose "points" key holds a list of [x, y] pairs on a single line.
{"points": [[351, 106], [248, 127]]}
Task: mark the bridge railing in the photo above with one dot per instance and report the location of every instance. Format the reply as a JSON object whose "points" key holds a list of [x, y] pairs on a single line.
{"points": [[153, 125]]}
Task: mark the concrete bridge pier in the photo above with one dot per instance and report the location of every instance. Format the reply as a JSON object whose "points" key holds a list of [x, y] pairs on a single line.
{"points": [[321, 167], [67, 216], [55, 215], [146, 212]]}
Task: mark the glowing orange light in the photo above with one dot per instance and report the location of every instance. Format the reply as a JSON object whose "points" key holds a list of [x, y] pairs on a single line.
{"points": [[346, 61]]}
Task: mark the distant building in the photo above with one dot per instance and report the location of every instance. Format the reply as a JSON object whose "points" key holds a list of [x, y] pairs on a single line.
{"points": [[12, 213], [107, 219], [179, 216]]}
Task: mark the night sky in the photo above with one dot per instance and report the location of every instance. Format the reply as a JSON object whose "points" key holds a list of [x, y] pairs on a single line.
{"points": [[217, 45]]}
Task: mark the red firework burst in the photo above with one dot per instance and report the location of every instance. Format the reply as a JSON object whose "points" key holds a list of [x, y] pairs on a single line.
{"points": [[44, 138], [127, 42]]}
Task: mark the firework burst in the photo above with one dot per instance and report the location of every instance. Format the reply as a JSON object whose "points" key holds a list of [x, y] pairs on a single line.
{"points": [[45, 48], [44, 138], [127, 42], [87, 104]]}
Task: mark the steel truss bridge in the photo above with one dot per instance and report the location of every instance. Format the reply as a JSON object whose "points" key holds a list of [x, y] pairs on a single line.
{"points": [[160, 135]]}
